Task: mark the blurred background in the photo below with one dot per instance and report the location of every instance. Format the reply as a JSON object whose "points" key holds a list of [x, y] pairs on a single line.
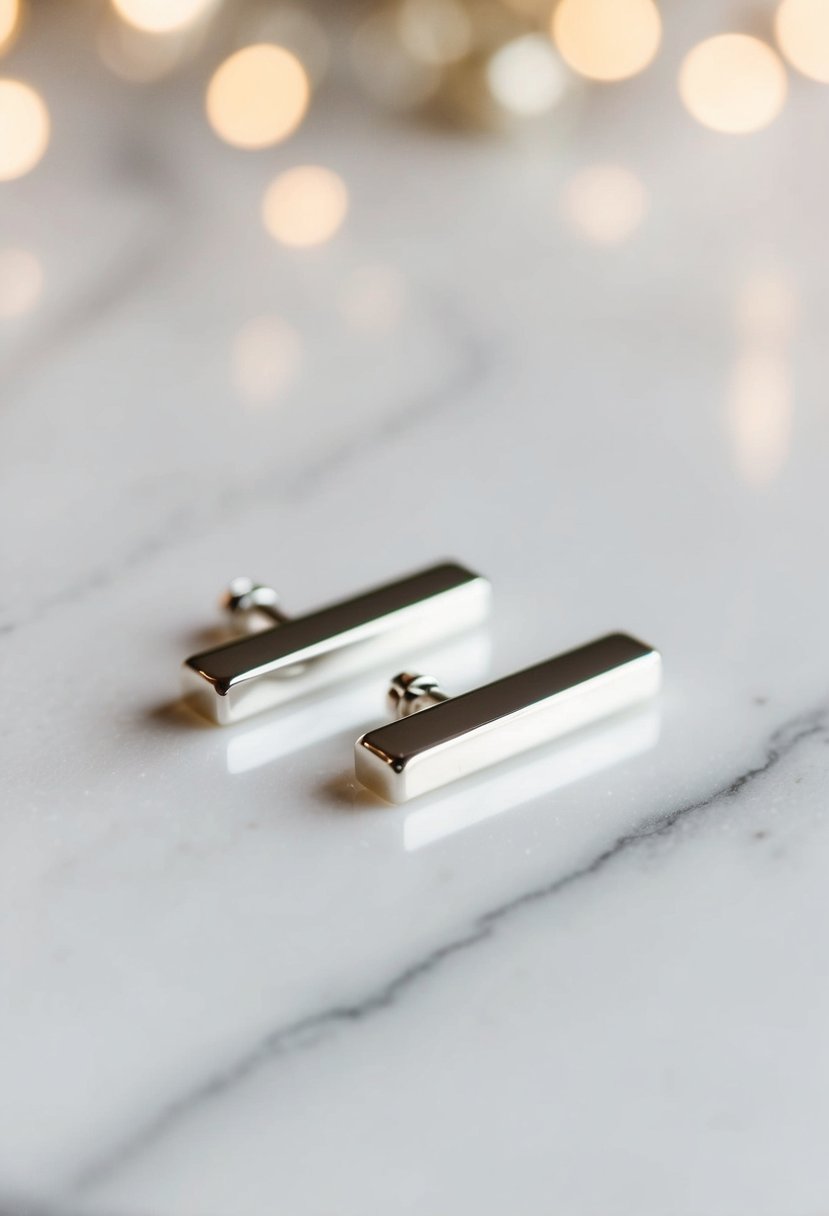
{"points": [[267, 226], [275, 188]]}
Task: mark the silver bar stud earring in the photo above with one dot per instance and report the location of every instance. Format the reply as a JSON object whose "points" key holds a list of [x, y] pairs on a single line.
{"points": [[295, 656], [438, 739]]}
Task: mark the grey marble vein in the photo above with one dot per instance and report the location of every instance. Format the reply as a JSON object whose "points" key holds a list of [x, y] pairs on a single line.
{"points": [[135, 164], [186, 522], [308, 1030]]}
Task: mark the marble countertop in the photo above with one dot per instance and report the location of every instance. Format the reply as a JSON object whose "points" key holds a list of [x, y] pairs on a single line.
{"points": [[595, 982]]}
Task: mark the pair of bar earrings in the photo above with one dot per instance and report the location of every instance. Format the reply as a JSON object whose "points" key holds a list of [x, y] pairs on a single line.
{"points": [[435, 739]]}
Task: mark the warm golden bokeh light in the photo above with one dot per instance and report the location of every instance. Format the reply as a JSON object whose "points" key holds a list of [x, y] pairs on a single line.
{"points": [[21, 282], [9, 17], [161, 16], [435, 31], [305, 206], [604, 204], [760, 393], [267, 357], [526, 76], [802, 30], [258, 96], [733, 83], [24, 129], [760, 411], [607, 39]]}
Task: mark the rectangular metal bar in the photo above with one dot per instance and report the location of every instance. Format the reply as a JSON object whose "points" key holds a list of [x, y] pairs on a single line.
{"points": [[468, 733], [579, 755], [257, 672]]}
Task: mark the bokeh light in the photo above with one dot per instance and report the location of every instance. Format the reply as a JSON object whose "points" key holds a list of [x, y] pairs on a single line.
{"points": [[266, 358], [607, 39], [24, 129], [21, 282], [9, 18], [297, 27], [305, 206], [161, 16], [802, 30], [604, 204], [733, 83], [760, 392], [137, 56], [761, 409], [258, 96], [435, 31], [526, 76]]}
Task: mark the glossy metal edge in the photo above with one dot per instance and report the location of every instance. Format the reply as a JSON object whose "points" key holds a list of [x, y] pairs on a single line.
{"points": [[469, 733], [232, 682]]}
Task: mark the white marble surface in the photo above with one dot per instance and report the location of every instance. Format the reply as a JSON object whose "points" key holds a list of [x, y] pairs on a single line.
{"points": [[596, 982]]}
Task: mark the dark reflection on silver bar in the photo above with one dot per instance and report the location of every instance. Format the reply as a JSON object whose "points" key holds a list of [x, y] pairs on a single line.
{"points": [[468, 733], [346, 708], [254, 673]]}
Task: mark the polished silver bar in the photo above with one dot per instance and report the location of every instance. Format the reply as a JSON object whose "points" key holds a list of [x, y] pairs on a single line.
{"points": [[577, 756], [468, 733], [265, 669]]}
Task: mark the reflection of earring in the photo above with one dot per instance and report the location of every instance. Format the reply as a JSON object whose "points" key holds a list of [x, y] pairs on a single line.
{"points": [[438, 738], [299, 655]]}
